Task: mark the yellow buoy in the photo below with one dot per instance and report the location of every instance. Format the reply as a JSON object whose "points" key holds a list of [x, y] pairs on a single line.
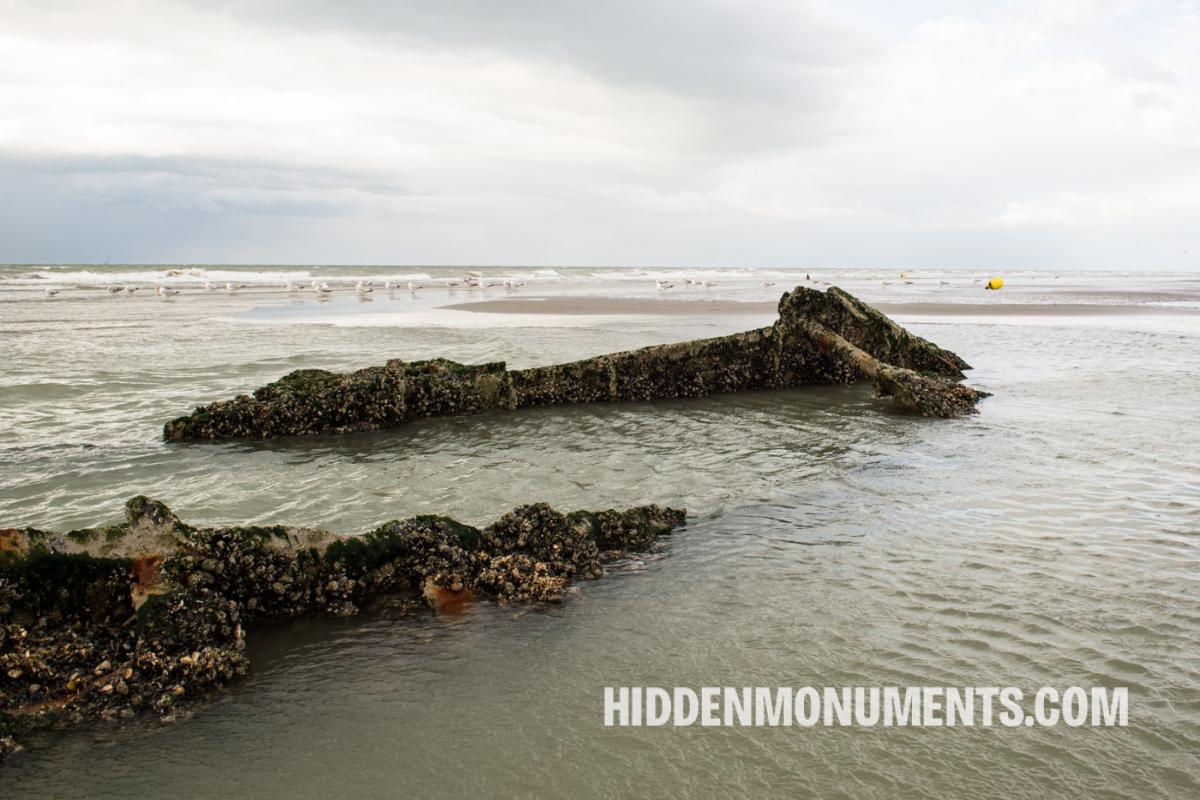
{"points": [[995, 283]]}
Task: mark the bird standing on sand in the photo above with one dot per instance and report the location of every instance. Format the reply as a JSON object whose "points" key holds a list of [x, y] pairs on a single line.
{"points": [[412, 287], [662, 286], [116, 289], [131, 289], [292, 287], [363, 287], [231, 286], [708, 284], [51, 292], [208, 287], [768, 283], [167, 291], [322, 288]]}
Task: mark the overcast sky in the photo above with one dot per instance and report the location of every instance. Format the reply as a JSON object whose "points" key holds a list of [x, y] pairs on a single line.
{"points": [[1062, 134]]}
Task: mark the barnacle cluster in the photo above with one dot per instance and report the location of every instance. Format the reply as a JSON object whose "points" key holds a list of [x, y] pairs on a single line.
{"points": [[826, 337], [144, 617]]}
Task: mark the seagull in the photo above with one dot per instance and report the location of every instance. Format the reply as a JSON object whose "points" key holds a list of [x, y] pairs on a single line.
{"points": [[513, 284], [412, 287], [232, 286], [51, 292], [323, 288], [131, 289], [208, 287], [116, 289], [768, 283], [292, 287], [167, 291], [662, 286], [363, 288], [389, 285], [707, 284]]}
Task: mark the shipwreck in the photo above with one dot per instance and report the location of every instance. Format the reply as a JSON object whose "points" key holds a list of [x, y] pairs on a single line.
{"points": [[826, 337], [143, 618]]}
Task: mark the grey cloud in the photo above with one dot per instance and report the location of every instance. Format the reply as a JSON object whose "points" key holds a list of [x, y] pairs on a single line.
{"points": [[205, 184], [739, 132], [256, 172], [748, 51]]}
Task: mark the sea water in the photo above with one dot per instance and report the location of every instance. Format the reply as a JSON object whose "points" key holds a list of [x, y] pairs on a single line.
{"points": [[1053, 539]]}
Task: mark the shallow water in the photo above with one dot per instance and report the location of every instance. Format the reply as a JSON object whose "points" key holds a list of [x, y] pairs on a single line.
{"points": [[1053, 539]]}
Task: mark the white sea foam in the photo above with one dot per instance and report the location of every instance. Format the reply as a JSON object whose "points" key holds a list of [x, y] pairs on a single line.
{"points": [[173, 275], [195, 276]]}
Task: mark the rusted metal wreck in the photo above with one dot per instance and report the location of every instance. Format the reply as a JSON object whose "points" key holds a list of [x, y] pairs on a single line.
{"points": [[147, 617], [820, 338]]}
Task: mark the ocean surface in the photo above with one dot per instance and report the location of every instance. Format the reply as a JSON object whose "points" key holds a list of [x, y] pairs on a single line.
{"points": [[1051, 540]]}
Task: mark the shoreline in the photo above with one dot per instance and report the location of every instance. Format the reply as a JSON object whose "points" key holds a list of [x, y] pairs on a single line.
{"points": [[627, 306]]}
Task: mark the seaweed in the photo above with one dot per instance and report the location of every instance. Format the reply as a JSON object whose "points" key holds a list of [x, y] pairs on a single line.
{"points": [[142, 618], [802, 347]]}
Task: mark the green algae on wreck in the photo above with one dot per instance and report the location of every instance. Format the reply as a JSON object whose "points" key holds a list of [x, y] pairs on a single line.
{"points": [[143, 617], [820, 338]]}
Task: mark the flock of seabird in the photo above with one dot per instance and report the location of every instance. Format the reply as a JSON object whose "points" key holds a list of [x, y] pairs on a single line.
{"points": [[471, 280], [362, 287], [663, 285], [162, 291]]}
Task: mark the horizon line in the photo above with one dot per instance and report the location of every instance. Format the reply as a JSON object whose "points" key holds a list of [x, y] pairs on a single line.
{"points": [[467, 265]]}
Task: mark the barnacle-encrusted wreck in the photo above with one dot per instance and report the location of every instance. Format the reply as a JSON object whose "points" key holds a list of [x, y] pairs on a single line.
{"points": [[820, 338], [143, 617]]}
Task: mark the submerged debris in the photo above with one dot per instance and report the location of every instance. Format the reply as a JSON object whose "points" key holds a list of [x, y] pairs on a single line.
{"points": [[820, 338], [141, 618]]}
